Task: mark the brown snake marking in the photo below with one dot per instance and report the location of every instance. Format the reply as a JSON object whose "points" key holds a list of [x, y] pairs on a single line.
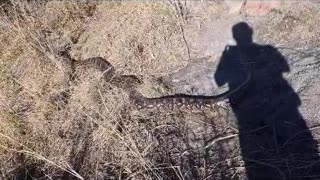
{"points": [[179, 102]]}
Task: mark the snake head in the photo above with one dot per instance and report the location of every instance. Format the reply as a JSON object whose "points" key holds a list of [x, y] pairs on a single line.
{"points": [[136, 98]]}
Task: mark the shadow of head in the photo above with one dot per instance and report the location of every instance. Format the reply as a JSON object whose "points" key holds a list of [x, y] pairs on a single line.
{"points": [[242, 34]]}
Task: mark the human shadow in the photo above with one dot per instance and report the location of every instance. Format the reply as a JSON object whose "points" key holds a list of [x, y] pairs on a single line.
{"points": [[274, 138]]}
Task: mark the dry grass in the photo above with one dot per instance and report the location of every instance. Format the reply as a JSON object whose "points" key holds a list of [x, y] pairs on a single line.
{"points": [[91, 133], [31, 72]]}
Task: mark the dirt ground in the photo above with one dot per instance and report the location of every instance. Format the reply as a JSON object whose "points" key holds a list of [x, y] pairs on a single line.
{"points": [[62, 120]]}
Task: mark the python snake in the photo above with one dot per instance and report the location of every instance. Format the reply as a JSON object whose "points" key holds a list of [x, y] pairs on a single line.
{"points": [[180, 102]]}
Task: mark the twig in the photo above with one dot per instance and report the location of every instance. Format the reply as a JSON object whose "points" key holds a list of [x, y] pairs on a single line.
{"points": [[220, 139], [179, 10], [185, 41]]}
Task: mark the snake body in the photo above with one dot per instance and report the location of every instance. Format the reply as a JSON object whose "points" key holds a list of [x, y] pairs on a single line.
{"points": [[180, 102]]}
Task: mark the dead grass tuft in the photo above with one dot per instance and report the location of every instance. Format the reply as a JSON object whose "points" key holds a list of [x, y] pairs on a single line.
{"points": [[53, 126]]}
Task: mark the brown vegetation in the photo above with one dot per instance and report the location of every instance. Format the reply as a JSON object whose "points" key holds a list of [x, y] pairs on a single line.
{"points": [[59, 120], [53, 127]]}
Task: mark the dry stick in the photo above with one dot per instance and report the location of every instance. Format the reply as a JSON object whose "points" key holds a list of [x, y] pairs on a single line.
{"points": [[185, 41], [237, 171], [275, 140], [180, 14], [220, 139]]}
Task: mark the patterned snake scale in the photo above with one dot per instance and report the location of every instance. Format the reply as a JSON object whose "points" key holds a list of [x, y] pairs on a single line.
{"points": [[182, 102]]}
